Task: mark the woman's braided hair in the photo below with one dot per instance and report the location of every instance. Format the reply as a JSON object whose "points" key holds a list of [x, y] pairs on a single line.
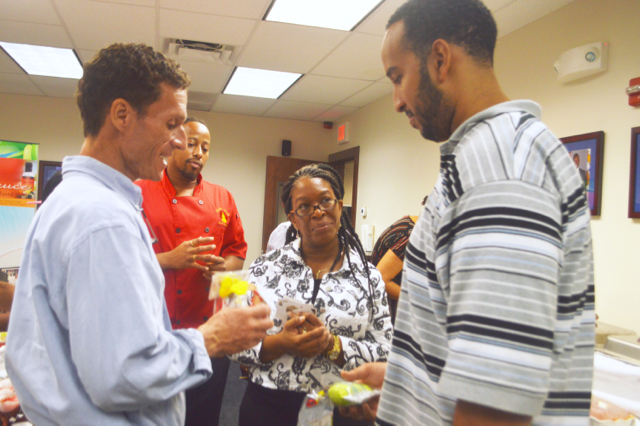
{"points": [[347, 237]]}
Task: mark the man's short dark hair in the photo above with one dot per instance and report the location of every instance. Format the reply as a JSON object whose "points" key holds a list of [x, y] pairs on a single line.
{"points": [[465, 23], [133, 72], [194, 120]]}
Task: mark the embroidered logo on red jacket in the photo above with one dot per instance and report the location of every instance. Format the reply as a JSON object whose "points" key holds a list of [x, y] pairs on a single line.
{"points": [[224, 217]]}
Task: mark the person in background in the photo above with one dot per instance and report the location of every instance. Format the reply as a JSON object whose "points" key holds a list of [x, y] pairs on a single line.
{"points": [[91, 342], [278, 237], [322, 264], [6, 298], [388, 255], [495, 324], [199, 232], [52, 183]]}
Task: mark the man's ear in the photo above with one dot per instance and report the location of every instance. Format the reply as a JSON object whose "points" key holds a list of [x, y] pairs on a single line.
{"points": [[439, 60], [121, 114]]}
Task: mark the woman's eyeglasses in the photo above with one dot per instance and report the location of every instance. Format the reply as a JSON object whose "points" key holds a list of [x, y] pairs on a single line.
{"points": [[305, 210]]}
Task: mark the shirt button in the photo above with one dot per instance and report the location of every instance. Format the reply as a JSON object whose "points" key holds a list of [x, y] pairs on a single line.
{"points": [[174, 201], [200, 202], [206, 229], [179, 291], [329, 288], [178, 230], [178, 322], [206, 318]]}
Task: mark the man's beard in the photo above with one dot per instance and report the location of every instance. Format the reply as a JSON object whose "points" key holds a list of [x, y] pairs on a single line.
{"points": [[433, 111], [187, 173]]}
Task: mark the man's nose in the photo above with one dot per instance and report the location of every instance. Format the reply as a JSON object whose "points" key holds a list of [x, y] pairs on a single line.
{"points": [[398, 103], [197, 151], [179, 139]]}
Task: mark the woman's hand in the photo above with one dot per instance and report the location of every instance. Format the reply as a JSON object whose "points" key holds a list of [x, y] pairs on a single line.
{"points": [[305, 336]]}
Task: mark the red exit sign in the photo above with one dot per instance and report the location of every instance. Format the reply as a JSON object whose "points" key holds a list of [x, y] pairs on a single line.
{"points": [[343, 133]]}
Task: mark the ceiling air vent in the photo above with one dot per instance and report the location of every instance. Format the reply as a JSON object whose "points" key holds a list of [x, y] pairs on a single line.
{"points": [[190, 50]]}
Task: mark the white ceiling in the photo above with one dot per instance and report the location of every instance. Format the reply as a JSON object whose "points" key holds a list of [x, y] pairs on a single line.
{"points": [[342, 69]]}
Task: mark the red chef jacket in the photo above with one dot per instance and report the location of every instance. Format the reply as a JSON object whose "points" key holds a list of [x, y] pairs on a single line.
{"points": [[210, 212]]}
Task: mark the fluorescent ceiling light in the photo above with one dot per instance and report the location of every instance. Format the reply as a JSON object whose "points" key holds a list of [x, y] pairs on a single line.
{"points": [[259, 83], [334, 14], [43, 60]]}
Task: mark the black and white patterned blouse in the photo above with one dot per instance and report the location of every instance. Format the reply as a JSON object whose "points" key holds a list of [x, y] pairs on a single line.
{"points": [[342, 305]]}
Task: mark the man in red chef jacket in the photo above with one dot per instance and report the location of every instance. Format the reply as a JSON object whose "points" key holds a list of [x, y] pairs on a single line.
{"points": [[198, 231]]}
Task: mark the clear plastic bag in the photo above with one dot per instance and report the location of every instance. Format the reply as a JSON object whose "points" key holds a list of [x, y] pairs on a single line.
{"points": [[232, 290], [317, 408]]}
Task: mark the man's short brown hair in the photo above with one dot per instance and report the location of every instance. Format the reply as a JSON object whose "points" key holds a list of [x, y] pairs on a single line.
{"points": [[133, 72]]}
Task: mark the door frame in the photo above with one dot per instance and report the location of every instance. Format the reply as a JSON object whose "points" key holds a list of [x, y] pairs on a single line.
{"points": [[278, 170], [337, 160]]}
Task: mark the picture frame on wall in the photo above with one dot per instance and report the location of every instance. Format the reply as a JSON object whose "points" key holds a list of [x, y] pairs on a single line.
{"points": [[46, 170], [587, 153], [634, 175]]}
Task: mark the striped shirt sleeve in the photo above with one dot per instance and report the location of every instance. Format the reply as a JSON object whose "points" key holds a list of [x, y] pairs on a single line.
{"points": [[498, 258]]}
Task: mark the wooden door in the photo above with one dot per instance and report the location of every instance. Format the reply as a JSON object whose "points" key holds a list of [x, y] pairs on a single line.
{"points": [[338, 161], [278, 171]]}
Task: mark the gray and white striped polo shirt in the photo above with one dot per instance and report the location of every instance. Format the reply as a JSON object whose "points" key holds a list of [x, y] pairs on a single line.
{"points": [[497, 303]]}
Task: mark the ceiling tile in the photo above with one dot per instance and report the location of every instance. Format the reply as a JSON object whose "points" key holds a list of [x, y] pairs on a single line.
{"points": [[35, 11], [494, 5], [376, 23], [335, 113], [207, 77], [38, 34], [277, 46], [252, 9], [91, 23], [86, 55], [147, 3], [56, 87], [19, 84], [358, 57], [368, 95], [8, 65], [200, 101], [246, 105], [296, 110], [323, 90], [207, 28]]}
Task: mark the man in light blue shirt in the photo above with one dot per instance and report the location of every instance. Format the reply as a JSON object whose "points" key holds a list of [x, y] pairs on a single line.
{"points": [[90, 338]]}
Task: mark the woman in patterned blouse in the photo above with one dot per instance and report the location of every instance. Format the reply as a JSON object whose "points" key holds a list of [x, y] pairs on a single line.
{"points": [[323, 264]]}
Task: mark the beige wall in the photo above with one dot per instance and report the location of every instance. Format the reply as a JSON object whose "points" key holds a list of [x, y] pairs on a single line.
{"points": [[239, 147], [397, 167]]}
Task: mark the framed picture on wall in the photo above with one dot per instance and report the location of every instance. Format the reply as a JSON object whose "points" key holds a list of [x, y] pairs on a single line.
{"points": [[46, 170], [587, 153], [634, 179]]}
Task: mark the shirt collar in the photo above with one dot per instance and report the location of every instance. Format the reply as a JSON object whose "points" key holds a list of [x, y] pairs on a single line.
{"points": [[295, 254], [108, 176], [505, 107], [171, 191]]}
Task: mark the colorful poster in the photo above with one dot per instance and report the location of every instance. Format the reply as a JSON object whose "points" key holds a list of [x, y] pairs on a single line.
{"points": [[18, 185]]}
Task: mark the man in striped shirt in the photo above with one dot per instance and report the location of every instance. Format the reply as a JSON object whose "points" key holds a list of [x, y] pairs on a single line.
{"points": [[495, 324]]}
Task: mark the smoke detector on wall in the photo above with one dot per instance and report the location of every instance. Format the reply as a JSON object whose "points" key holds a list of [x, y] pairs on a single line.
{"points": [[200, 51]]}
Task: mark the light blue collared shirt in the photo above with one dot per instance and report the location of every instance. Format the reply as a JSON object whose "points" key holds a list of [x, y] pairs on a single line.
{"points": [[90, 342]]}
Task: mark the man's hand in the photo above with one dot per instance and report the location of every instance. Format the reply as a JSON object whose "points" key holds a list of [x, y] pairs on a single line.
{"points": [[371, 374], [233, 330], [217, 264], [188, 254]]}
